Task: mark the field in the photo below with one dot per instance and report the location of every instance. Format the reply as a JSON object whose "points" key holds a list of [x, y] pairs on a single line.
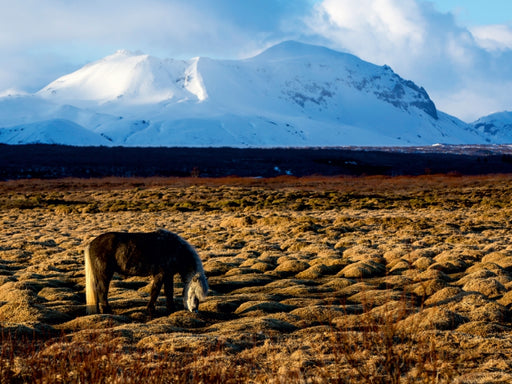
{"points": [[313, 280]]}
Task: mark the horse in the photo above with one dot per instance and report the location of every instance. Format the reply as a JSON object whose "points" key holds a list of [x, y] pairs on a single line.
{"points": [[160, 254]]}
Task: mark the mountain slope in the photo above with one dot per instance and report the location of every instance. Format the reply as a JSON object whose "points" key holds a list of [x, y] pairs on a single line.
{"points": [[292, 94], [56, 131]]}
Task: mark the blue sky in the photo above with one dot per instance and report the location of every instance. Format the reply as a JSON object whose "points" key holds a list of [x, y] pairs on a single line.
{"points": [[478, 12], [460, 51]]}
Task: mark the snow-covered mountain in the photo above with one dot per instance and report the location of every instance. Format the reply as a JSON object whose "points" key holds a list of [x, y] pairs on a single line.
{"points": [[496, 128], [292, 94]]}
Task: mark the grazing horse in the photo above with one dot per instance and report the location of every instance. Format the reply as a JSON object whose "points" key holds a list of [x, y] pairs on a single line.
{"points": [[160, 254]]}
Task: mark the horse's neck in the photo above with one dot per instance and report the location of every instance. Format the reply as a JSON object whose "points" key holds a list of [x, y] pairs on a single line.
{"points": [[187, 274]]}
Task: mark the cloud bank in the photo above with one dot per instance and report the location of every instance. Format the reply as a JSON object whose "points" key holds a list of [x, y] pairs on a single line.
{"points": [[466, 70]]}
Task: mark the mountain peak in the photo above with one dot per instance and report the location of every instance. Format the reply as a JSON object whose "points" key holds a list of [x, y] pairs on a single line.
{"points": [[291, 49], [124, 78], [366, 77], [127, 53]]}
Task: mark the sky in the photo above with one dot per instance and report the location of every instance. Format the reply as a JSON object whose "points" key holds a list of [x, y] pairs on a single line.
{"points": [[460, 51]]}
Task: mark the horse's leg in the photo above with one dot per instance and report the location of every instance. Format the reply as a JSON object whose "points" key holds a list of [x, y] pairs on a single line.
{"points": [[169, 294], [103, 285], [158, 280], [103, 274]]}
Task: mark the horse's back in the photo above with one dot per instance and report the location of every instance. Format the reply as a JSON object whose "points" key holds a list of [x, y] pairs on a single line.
{"points": [[105, 244], [112, 240], [134, 253]]}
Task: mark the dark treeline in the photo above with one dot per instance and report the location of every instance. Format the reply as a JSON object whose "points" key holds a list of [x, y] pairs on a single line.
{"points": [[57, 161]]}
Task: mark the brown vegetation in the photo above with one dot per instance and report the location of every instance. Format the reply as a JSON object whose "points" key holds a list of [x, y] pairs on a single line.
{"points": [[319, 280]]}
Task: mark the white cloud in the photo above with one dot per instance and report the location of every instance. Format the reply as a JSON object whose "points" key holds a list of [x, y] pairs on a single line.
{"points": [[402, 33], [379, 24], [493, 37], [173, 25], [177, 27]]}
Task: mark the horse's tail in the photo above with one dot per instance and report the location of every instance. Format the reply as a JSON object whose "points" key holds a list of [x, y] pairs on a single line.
{"points": [[91, 295]]}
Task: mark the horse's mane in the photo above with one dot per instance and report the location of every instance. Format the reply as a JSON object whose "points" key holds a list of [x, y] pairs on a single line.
{"points": [[198, 265]]}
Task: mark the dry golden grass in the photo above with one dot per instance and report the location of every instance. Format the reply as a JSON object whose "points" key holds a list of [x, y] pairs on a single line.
{"points": [[315, 280]]}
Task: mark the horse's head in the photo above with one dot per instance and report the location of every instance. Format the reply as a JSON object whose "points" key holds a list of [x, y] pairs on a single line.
{"points": [[196, 290], [193, 304]]}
